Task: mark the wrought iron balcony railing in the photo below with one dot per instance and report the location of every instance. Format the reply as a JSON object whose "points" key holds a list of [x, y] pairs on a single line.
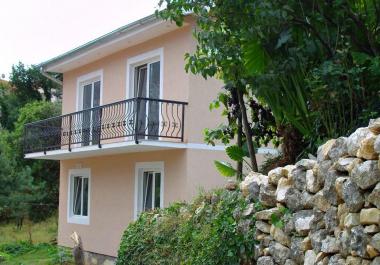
{"points": [[131, 119]]}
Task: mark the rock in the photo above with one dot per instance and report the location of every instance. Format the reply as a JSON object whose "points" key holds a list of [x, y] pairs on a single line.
{"points": [[337, 260], [266, 260], [374, 196], [374, 126], [351, 220], [350, 260], [346, 164], [279, 236], [287, 169], [342, 213], [298, 177], [290, 262], [372, 252], [231, 185], [366, 174], [329, 190], [263, 227], [313, 182], [344, 237], [330, 245], [249, 210], [307, 200], [279, 252], [371, 229], [354, 140], [352, 196], [338, 149], [370, 216], [250, 186], [306, 164], [339, 186], [359, 241], [284, 184], [323, 150], [310, 257], [274, 175], [266, 214], [376, 145], [267, 195], [297, 250], [375, 241], [293, 199], [320, 202], [303, 221], [316, 239], [366, 148], [330, 219], [376, 261]]}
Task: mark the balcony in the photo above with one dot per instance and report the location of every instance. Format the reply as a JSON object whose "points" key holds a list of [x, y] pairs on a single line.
{"points": [[130, 122]]}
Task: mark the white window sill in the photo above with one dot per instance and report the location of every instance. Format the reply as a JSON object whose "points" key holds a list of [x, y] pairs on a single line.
{"points": [[76, 219]]}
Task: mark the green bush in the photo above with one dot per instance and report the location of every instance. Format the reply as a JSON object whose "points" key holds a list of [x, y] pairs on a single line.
{"points": [[211, 230]]}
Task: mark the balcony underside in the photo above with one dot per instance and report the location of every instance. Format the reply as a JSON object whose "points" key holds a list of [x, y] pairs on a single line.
{"points": [[107, 149]]}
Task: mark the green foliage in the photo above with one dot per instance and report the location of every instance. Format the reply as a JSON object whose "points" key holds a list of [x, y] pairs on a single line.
{"points": [[23, 252], [28, 188], [207, 231], [225, 168]]}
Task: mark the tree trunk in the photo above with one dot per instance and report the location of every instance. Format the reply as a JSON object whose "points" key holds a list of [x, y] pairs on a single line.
{"points": [[247, 130], [239, 166]]}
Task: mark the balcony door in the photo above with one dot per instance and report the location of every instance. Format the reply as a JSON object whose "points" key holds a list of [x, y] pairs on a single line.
{"points": [[147, 85], [90, 117]]}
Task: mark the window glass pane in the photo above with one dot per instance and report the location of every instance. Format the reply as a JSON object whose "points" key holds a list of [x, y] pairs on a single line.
{"points": [[157, 190], [85, 197], [77, 195], [87, 94], [154, 80], [147, 199], [154, 92], [96, 94]]}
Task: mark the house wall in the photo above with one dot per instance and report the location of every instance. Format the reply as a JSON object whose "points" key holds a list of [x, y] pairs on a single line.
{"points": [[112, 191], [177, 84]]}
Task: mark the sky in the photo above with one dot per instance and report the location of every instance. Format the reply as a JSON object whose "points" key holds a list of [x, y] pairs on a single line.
{"points": [[33, 31]]}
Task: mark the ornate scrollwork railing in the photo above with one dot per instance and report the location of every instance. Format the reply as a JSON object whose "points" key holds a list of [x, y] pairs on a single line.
{"points": [[134, 119]]}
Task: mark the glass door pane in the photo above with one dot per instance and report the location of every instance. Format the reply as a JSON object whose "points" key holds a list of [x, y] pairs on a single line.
{"points": [[86, 116], [154, 93], [96, 113], [141, 91]]}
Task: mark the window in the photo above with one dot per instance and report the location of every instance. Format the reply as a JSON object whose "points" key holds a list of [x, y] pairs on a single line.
{"points": [[149, 186], [89, 96], [79, 191]]}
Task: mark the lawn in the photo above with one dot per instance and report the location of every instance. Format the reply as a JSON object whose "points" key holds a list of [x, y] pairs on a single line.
{"points": [[33, 244]]}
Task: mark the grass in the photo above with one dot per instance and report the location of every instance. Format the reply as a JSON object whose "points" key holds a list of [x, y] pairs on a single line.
{"points": [[33, 244]]}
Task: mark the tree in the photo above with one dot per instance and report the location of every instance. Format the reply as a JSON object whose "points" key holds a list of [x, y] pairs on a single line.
{"points": [[219, 54], [314, 64], [29, 188]]}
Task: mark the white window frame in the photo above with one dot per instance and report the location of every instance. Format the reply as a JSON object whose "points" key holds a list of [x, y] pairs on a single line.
{"points": [[148, 166], [71, 217], [136, 61], [83, 80]]}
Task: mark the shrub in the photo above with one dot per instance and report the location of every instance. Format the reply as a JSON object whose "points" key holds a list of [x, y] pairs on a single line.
{"points": [[211, 230]]}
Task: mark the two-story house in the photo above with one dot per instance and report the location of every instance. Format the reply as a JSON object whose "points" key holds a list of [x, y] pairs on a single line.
{"points": [[130, 138]]}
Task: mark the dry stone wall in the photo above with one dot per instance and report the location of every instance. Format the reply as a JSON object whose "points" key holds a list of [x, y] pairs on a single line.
{"points": [[333, 202]]}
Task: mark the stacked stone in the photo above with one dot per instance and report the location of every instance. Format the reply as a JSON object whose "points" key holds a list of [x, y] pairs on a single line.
{"points": [[334, 201]]}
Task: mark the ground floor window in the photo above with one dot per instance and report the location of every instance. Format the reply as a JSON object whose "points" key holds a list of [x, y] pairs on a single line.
{"points": [[149, 186], [79, 191]]}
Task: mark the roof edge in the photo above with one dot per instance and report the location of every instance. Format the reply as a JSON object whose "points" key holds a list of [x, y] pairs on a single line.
{"points": [[102, 39]]}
